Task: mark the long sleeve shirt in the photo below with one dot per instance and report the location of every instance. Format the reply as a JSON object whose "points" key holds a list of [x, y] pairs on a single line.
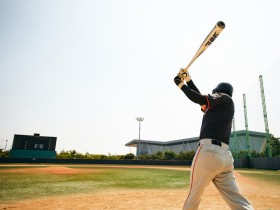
{"points": [[218, 114]]}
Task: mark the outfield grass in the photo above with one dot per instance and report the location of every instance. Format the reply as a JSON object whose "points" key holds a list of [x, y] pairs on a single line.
{"points": [[270, 176], [18, 186]]}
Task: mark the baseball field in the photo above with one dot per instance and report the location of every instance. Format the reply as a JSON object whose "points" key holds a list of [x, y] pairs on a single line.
{"points": [[122, 187]]}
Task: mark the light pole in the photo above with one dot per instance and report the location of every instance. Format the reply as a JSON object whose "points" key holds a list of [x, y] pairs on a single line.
{"points": [[139, 119], [6, 145]]}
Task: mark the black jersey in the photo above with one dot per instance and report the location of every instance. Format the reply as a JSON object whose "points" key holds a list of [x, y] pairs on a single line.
{"points": [[217, 119]]}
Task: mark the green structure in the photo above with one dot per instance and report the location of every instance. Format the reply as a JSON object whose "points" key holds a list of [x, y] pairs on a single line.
{"points": [[268, 136], [36, 146], [246, 126], [238, 142]]}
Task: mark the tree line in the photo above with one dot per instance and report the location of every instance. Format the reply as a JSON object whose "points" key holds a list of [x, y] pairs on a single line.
{"points": [[161, 155], [165, 155]]}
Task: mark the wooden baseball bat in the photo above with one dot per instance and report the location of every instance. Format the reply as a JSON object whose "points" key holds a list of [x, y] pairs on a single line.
{"points": [[214, 33]]}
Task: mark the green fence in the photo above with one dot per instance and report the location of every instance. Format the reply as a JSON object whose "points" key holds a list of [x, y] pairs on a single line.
{"points": [[258, 163]]}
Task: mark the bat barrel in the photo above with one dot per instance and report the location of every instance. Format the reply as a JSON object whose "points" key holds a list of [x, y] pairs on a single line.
{"points": [[221, 24], [214, 33]]}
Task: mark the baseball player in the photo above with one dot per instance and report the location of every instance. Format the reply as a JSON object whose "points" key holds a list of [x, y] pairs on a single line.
{"points": [[213, 161]]}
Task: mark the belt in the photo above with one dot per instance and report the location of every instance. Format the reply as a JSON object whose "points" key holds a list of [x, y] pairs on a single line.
{"points": [[215, 142]]}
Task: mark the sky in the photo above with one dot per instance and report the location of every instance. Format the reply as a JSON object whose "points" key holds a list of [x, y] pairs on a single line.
{"points": [[82, 71]]}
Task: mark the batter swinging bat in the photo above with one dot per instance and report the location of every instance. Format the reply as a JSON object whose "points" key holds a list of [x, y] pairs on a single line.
{"points": [[207, 42]]}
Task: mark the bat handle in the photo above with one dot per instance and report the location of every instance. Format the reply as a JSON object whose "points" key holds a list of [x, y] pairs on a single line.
{"points": [[182, 71], [186, 69]]}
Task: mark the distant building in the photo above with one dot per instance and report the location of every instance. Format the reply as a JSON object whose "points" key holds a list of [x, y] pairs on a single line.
{"points": [[36, 146], [257, 142]]}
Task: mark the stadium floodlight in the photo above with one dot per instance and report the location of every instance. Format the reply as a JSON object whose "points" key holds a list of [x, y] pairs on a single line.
{"points": [[139, 119], [6, 145]]}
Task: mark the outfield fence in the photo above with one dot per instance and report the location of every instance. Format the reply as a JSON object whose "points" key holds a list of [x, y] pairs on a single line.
{"points": [[272, 163], [95, 161]]}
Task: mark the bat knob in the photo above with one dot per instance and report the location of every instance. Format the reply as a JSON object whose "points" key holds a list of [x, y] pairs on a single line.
{"points": [[221, 24]]}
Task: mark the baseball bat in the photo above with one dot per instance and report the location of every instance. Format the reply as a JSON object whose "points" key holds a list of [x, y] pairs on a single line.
{"points": [[214, 33]]}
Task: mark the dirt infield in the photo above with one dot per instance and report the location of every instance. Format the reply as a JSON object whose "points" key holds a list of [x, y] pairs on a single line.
{"points": [[261, 194]]}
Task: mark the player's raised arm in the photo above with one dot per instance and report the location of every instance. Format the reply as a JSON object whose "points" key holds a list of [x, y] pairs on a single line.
{"points": [[190, 90]]}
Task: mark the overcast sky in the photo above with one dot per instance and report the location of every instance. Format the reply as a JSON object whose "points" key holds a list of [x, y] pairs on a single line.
{"points": [[84, 70]]}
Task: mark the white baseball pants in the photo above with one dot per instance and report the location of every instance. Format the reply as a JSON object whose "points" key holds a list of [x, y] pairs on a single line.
{"points": [[214, 163]]}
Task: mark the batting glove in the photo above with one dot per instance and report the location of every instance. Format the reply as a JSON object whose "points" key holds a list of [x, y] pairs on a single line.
{"points": [[185, 75]]}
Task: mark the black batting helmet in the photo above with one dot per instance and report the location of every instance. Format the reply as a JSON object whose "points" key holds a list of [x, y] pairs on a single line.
{"points": [[223, 87]]}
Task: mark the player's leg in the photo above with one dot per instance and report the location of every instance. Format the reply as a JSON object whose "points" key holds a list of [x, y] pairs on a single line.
{"points": [[195, 192], [200, 178], [227, 186]]}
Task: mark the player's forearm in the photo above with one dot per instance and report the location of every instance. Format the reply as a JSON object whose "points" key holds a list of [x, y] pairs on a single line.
{"points": [[192, 86], [190, 91]]}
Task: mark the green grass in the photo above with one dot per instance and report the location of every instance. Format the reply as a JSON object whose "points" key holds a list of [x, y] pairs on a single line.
{"points": [[270, 176], [18, 186]]}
